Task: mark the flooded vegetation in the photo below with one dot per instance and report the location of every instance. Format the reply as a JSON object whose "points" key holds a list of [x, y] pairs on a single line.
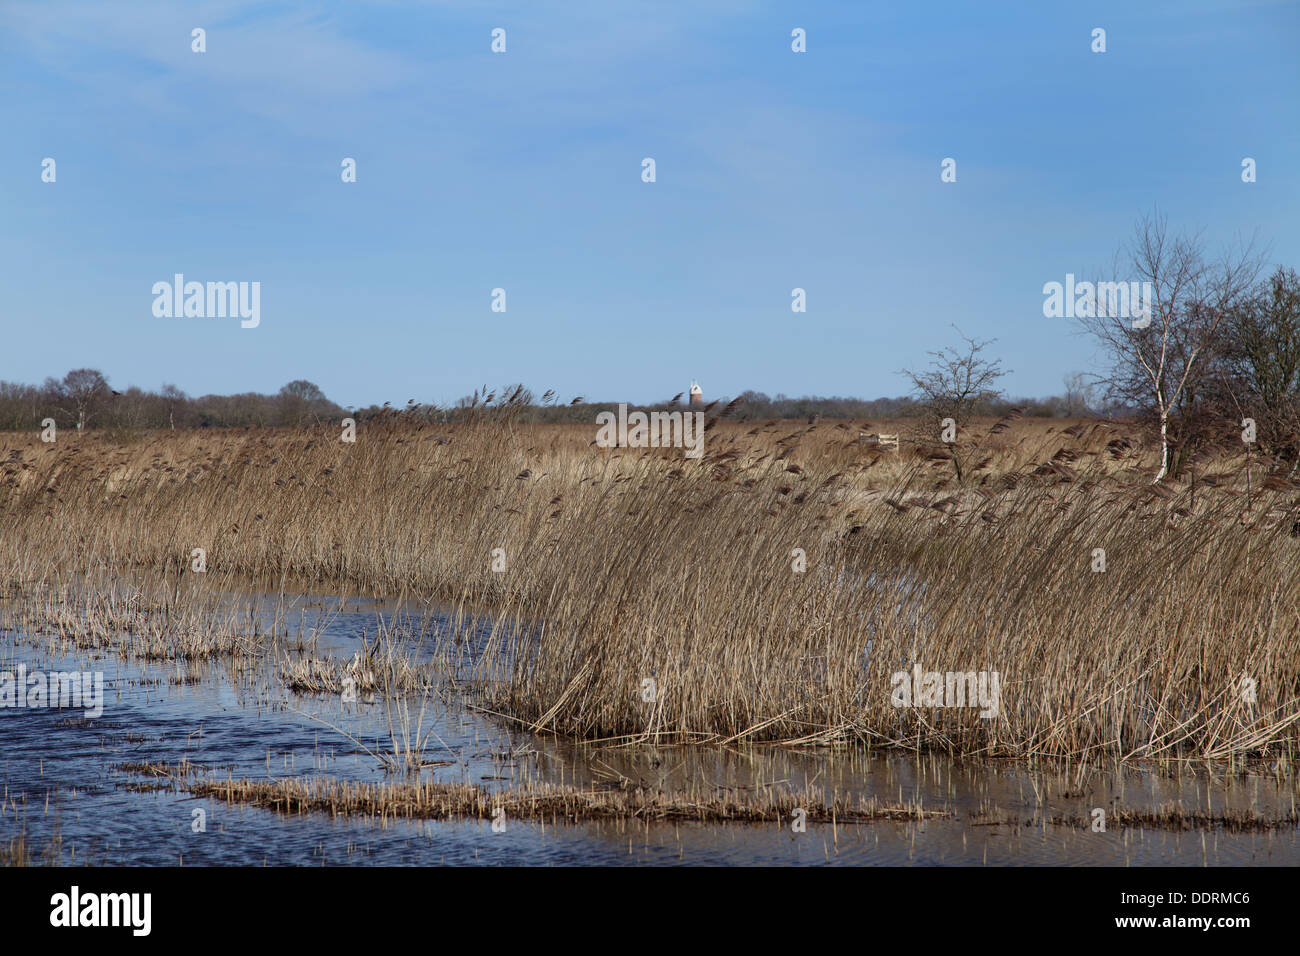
{"points": [[779, 654]]}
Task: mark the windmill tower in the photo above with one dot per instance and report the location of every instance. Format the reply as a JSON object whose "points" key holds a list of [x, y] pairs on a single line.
{"points": [[697, 394]]}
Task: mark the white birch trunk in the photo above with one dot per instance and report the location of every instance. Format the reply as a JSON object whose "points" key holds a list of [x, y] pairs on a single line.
{"points": [[1164, 447]]}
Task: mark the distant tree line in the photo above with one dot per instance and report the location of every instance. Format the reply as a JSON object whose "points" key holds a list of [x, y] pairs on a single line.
{"points": [[1075, 403], [83, 399]]}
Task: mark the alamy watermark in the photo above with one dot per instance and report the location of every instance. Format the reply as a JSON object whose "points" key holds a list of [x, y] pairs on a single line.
{"points": [[917, 688], [1114, 300], [75, 908], [213, 300], [651, 430], [80, 689]]}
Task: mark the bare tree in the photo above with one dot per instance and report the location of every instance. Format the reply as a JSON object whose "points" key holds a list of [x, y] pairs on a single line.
{"points": [[1157, 362], [1260, 370], [958, 380], [300, 401], [80, 395], [173, 399], [1078, 394], [20, 405]]}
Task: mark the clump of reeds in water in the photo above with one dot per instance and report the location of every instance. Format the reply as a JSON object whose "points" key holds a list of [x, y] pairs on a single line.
{"points": [[387, 666], [149, 621], [1167, 816], [541, 801], [15, 852], [1173, 816], [312, 675]]}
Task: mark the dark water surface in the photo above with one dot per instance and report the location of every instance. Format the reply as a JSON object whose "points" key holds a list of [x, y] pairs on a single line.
{"points": [[62, 787]]}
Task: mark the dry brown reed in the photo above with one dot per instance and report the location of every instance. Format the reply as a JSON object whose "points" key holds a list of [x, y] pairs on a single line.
{"points": [[151, 620], [389, 669], [652, 596], [15, 852]]}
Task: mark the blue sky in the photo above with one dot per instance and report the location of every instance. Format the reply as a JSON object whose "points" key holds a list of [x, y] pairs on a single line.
{"points": [[522, 170]]}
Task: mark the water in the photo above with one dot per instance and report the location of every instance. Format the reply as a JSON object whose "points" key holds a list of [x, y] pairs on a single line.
{"points": [[63, 786]]}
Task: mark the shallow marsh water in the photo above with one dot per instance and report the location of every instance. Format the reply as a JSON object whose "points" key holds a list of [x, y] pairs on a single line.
{"points": [[63, 787]]}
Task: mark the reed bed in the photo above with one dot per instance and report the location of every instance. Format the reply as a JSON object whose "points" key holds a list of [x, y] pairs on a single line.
{"points": [[768, 591], [150, 621]]}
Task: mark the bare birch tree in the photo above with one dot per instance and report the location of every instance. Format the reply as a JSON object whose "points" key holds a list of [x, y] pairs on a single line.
{"points": [[1156, 359]]}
